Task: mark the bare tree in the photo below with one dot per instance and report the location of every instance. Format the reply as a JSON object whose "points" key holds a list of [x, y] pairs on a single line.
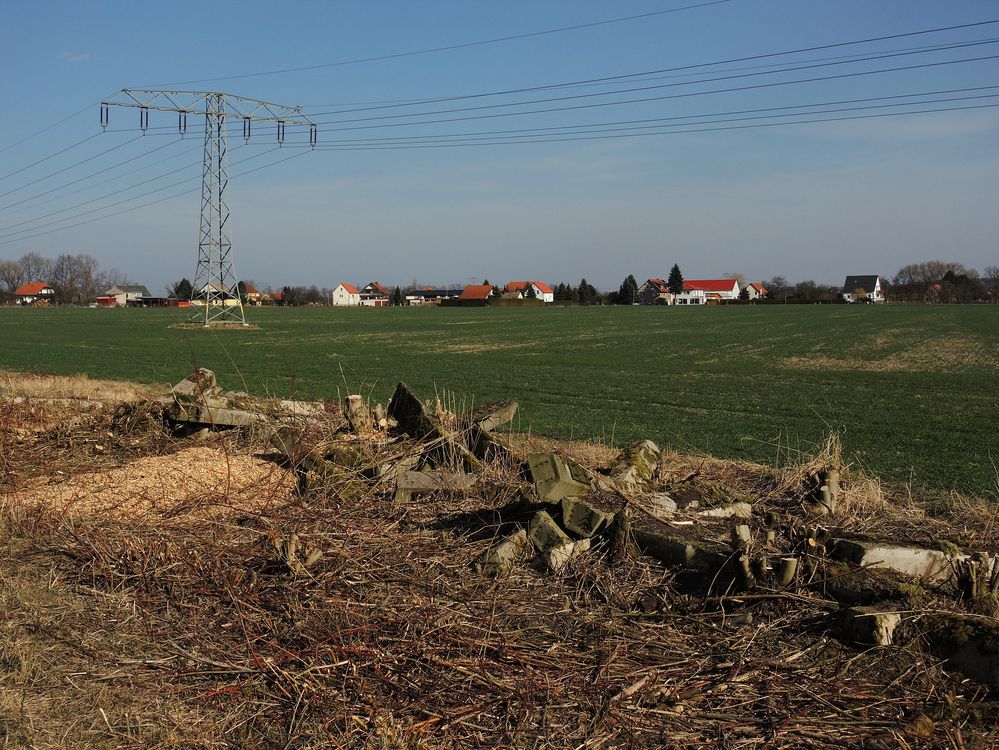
{"points": [[990, 274], [35, 267], [11, 274]]}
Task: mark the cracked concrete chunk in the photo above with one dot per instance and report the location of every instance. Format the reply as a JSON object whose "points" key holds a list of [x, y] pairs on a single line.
{"points": [[411, 414], [556, 478], [582, 519], [544, 533], [492, 415], [869, 626], [635, 468], [498, 560], [411, 483], [557, 558], [929, 564], [195, 386], [217, 416]]}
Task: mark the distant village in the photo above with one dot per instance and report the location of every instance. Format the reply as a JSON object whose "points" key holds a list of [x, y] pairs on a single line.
{"points": [[75, 280]]}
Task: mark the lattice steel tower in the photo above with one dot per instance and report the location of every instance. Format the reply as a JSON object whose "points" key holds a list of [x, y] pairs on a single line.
{"points": [[215, 282]]}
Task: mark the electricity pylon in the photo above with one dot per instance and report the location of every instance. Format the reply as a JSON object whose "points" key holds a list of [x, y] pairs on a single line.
{"points": [[215, 279]]}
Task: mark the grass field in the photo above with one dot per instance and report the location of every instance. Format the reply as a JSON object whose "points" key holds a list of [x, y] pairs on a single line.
{"points": [[914, 391]]}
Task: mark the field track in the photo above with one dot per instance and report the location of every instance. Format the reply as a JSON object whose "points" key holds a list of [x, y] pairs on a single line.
{"points": [[914, 391]]}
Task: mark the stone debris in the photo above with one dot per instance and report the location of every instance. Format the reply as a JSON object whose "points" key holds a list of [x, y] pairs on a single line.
{"points": [[554, 477], [928, 564], [869, 626], [500, 559], [583, 519], [492, 415], [635, 469], [625, 510], [409, 483], [545, 534]]}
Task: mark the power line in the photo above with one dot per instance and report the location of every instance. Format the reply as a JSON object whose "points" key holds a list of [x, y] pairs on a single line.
{"points": [[396, 147], [716, 79], [50, 156], [695, 66], [49, 127], [731, 89], [636, 77], [463, 45], [145, 205], [126, 200], [661, 122], [72, 166], [95, 174]]}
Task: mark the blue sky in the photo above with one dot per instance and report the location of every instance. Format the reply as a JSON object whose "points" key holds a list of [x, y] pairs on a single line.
{"points": [[801, 200]]}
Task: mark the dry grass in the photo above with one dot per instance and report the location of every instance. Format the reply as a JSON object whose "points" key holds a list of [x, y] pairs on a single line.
{"points": [[43, 386], [179, 626]]}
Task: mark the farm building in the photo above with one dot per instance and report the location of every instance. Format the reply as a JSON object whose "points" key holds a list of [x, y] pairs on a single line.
{"points": [[35, 293], [345, 295], [707, 291], [542, 291], [121, 294], [756, 291], [862, 289], [476, 293], [430, 296]]}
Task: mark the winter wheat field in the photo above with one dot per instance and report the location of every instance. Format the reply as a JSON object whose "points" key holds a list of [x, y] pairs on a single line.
{"points": [[913, 392]]}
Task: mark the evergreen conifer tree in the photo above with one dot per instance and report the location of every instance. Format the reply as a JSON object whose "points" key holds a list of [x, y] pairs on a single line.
{"points": [[675, 280]]}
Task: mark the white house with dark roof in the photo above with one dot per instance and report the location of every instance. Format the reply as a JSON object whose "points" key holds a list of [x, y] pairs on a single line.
{"points": [[122, 293], [862, 289]]}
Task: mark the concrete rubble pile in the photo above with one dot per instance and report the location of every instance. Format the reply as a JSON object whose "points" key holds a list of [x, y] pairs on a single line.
{"points": [[725, 543]]}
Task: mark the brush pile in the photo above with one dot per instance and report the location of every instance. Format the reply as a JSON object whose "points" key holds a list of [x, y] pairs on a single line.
{"points": [[425, 580]]}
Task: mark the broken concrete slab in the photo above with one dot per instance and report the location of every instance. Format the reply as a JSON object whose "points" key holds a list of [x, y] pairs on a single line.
{"points": [[544, 533], [196, 386], [490, 416], [300, 408], [411, 414], [557, 558], [920, 562], [409, 483], [498, 560], [215, 415], [582, 519], [555, 478], [868, 626], [636, 466]]}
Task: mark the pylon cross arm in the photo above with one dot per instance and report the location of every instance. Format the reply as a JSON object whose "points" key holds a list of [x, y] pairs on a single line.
{"points": [[208, 103]]}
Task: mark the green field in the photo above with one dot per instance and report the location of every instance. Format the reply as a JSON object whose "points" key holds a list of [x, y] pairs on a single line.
{"points": [[914, 391]]}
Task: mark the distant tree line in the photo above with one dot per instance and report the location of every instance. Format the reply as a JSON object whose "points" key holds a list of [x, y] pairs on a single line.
{"points": [[76, 279]]}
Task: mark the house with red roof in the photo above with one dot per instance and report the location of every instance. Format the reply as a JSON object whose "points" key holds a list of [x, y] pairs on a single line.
{"points": [[375, 295], [756, 291], [35, 293], [541, 290], [476, 293], [654, 292], [345, 295], [707, 291]]}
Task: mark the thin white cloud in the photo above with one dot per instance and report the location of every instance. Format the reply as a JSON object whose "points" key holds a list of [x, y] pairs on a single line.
{"points": [[74, 57]]}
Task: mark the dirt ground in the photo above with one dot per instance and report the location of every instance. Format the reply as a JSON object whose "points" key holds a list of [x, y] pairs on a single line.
{"points": [[145, 603]]}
